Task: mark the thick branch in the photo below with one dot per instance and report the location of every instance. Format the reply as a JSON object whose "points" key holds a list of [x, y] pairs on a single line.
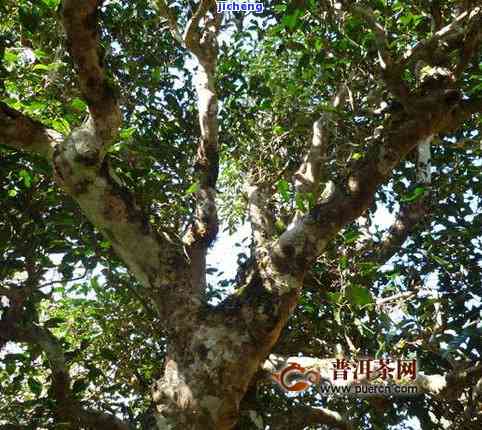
{"points": [[156, 260], [308, 176], [260, 217], [207, 159], [305, 240], [424, 49], [466, 109], [23, 133], [203, 45], [68, 408], [192, 35], [81, 26], [299, 417], [381, 38], [450, 385]]}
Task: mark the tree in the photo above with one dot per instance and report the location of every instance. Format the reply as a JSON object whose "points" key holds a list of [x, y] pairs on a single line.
{"points": [[131, 131]]}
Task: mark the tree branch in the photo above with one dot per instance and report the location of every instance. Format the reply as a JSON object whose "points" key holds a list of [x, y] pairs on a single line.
{"points": [[405, 296], [81, 26], [207, 159], [410, 215], [171, 18], [202, 43], [68, 408], [450, 385], [381, 38], [391, 71], [299, 417], [192, 35], [424, 49], [261, 219], [157, 261], [304, 240], [472, 40], [21, 132], [469, 108], [308, 177]]}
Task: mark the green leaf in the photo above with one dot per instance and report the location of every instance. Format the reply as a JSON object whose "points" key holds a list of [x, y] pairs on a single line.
{"points": [[283, 188], [27, 178], [11, 367], [440, 261], [334, 297], [51, 4], [415, 195], [265, 104], [108, 354], [300, 202], [156, 74], [290, 21], [10, 57], [45, 67], [343, 262], [40, 54], [54, 322], [62, 126], [35, 386], [359, 295], [194, 188], [351, 236], [79, 386], [78, 104], [127, 133], [105, 244], [280, 226]]}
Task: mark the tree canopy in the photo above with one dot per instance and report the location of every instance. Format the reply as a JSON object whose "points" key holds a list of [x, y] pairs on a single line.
{"points": [[133, 134]]}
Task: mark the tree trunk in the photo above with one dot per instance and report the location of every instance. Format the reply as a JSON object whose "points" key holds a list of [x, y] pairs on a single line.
{"points": [[209, 367]]}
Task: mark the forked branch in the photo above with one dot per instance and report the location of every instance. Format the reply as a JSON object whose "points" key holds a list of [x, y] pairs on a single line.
{"points": [[81, 26]]}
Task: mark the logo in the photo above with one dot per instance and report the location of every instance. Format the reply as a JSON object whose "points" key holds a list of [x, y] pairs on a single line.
{"points": [[296, 378], [363, 377]]}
